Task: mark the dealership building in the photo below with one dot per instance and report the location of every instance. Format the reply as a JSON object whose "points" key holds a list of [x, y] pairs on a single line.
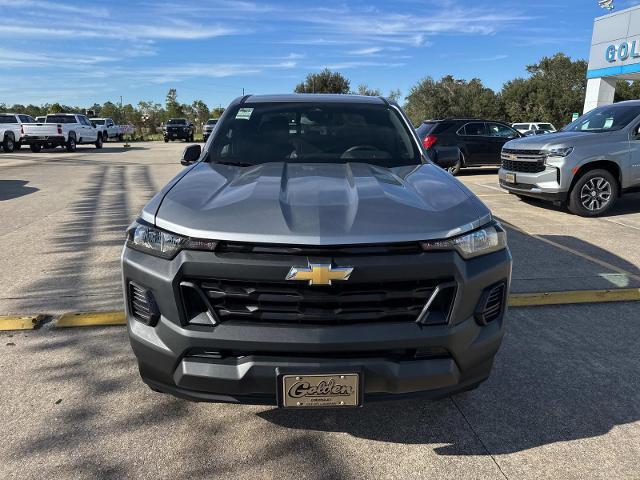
{"points": [[615, 55]]}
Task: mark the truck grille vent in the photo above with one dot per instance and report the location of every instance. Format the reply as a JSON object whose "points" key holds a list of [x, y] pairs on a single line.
{"points": [[491, 305], [142, 304], [525, 161], [338, 304]]}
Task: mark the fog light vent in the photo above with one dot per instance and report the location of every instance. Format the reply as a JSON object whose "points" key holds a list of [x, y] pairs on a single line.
{"points": [[142, 304], [491, 305]]}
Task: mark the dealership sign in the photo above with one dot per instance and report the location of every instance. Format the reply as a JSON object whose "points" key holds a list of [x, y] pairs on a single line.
{"points": [[622, 51]]}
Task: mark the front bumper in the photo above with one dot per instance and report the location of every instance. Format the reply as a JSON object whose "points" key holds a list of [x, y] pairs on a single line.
{"points": [[545, 185], [177, 135], [395, 359]]}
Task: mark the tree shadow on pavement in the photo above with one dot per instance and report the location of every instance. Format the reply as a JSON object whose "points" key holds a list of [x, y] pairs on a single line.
{"points": [[562, 374], [10, 189]]}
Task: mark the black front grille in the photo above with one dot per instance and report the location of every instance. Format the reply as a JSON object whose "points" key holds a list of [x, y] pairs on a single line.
{"points": [[338, 304], [524, 161], [523, 167]]}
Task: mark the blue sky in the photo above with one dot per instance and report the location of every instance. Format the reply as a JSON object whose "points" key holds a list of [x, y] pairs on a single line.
{"points": [[83, 52]]}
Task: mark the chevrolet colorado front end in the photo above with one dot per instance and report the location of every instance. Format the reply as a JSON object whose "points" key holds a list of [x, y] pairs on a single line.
{"points": [[313, 256]]}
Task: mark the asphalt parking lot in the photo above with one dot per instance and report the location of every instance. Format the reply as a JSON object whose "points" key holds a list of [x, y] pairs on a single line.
{"points": [[563, 400]]}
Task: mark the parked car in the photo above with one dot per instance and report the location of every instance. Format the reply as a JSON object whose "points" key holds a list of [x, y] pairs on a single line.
{"points": [[61, 129], [479, 141], [12, 122], [108, 129], [40, 119], [525, 127], [328, 265], [208, 128], [178, 129], [528, 133], [587, 165]]}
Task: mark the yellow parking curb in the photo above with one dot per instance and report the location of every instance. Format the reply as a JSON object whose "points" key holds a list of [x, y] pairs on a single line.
{"points": [[573, 297], [21, 322], [90, 319]]}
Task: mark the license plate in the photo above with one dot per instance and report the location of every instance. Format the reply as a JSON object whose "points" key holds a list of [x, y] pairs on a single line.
{"points": [[510, 177], [335, 390]]}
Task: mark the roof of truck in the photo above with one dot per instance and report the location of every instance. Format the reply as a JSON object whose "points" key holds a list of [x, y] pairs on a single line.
{"points": [[314, 97]]}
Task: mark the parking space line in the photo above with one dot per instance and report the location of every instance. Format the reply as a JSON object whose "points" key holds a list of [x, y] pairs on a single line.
{"points": [[585, 256], [574, 297], [90, 319], [19, 322]]}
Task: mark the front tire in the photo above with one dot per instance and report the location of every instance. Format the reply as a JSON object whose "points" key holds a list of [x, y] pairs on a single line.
{"points": [[594, 194], [99, 142], [71, 144], [18, 145], [8, 144]]}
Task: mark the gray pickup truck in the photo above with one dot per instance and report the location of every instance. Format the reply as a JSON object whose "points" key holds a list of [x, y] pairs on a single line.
{"points": [[311, 255], [587, 165]]}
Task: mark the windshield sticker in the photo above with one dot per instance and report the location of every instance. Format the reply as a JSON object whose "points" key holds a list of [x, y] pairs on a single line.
{"points": [[244, 114], [608, 123]]}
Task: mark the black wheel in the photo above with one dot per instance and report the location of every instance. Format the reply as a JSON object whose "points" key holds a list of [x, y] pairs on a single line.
{"points": [[166, 140], [8, 145], [121, 138], [71, 144], [35, 147], [593, 194], [18, 145], [99, 142], [105, 137]]}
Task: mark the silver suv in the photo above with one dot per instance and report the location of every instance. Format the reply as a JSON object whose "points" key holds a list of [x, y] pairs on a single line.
{"points": [[587, 165]]}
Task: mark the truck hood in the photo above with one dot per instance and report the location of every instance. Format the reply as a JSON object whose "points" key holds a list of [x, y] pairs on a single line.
{"points": [[319, 204], [552, 140]]}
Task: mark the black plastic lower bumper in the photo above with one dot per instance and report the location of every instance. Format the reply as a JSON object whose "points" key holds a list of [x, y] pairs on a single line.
{"points": [[395, 359]]}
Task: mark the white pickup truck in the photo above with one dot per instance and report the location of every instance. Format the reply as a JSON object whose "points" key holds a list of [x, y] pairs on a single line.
{"points": [[61, 130], [108, 128], [11, 130]]}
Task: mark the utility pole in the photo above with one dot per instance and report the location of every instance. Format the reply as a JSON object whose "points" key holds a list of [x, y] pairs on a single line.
{"points": [[243, 91]]}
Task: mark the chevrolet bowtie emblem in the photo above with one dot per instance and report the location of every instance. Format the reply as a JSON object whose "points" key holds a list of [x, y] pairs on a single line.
{"points": [[319, 274]]}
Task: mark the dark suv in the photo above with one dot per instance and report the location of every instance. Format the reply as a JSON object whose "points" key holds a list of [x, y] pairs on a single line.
{"points": [[480, 141], [178, 129]]}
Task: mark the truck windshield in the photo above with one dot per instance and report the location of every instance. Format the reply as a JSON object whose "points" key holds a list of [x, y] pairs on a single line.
{"points": [[8, 119], [60, 119], [97, 121], [604, 119], [177, 121], [547, 127], [257, 133], [212, 122]]}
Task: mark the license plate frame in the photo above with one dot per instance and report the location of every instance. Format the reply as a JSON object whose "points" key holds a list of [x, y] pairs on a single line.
{"points": [[510, 177], [287, 381]]}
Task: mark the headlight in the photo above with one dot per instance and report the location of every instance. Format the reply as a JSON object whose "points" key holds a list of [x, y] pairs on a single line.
{"points": [[149, 239], [558, 152], [479, 242]]}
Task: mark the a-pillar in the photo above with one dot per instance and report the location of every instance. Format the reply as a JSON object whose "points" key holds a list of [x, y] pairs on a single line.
{"points": [[600, 91]]}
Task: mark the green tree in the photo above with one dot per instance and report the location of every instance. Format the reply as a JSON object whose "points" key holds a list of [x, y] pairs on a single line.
{"points": [[394, 95], [451, 97], [324, 82], [111, 110], [554, 90], [201, 113], [627, 91], [172, 106], [363, 89], [55, 108], [217, 112]]}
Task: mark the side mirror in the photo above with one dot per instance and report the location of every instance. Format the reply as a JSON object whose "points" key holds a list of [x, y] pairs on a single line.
{"points": [[446, 157], [191, 154]]}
